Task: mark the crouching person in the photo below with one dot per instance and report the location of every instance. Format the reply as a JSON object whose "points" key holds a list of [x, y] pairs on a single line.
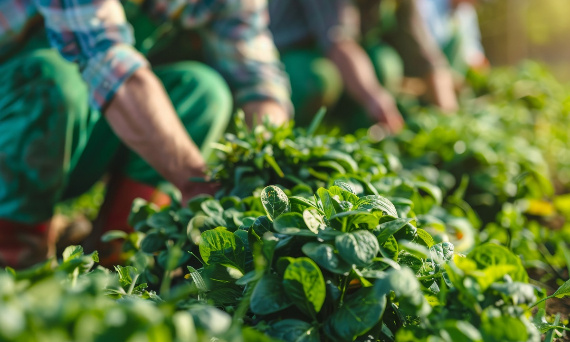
{"points": [[94, 103]]}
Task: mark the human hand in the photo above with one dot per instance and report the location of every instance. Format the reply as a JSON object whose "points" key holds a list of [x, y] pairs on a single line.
{"points": [[382, 109], [194, 188], [441, 90], [255, 112]]}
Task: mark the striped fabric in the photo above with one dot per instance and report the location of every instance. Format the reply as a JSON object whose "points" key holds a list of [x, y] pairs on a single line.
{"points": [[96, 35]]}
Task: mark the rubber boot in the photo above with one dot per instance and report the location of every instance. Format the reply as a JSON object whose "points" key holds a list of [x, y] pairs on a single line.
{"points": [[114, 215], [24, 245]]}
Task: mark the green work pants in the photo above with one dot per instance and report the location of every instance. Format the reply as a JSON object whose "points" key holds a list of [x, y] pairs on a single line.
{"points": [[316, 82], [53, 146]]}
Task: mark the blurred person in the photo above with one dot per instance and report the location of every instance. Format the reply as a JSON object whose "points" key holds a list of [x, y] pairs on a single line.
{"points": [[455, 26], [394, 28], [319, 45], [87, 101]]}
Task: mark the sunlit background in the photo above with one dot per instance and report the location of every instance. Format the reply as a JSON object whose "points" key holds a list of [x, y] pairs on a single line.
{"points": [[514, 30]]}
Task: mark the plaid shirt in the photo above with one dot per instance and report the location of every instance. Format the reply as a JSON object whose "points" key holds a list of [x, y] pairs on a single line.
{"points": [[96, 35], [324, 22]]}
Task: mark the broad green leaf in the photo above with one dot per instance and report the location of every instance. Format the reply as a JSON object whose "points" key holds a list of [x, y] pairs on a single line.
{"points": [[360, 312], [294, 330], [305, 285], [162, 219], [377, 202], [304, 202], [462, 331], [326, 257], [140, 211], [407, 290], [314, 220], [275, 201], [153, 242], [493, 255], [358, 247], [387, 229], [220, 246], [343, 195], [72, 252], [292, 224], [345, 186], [212, 207], [269, 296], [425, 238], [516, 332], [327, 202], [389, 249]]}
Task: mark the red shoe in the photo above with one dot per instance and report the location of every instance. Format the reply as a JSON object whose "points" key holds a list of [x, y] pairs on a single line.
{"points": [[24, 245], [114, 215]]}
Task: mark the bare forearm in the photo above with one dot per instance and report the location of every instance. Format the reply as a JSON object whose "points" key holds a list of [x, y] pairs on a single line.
{"points": [[142, 116], [356, 70]]}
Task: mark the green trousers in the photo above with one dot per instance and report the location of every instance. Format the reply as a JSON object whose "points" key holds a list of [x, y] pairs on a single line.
{"points": [[53, 146], [316, 82]]}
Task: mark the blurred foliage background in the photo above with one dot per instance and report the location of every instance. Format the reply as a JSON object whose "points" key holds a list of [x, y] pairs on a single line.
{"points": [[514, 30]]}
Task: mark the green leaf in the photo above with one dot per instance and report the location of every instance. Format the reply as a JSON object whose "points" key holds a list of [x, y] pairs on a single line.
{"points": [[360, 312], [212, 207], [387, 229], [326, 257], [343, 159], [275, 201], [516, 332], [358, 247], [113, 235], [305, 285], [563, 290], [220, 246], [490, 254], [326, 202], [425, 237], [316, 122], [377, 202], [345, 186], [294, 330], [273, 163], [72, 252], [314, 220], [432, 190], [292, 224], [303, 202], [269, 296], [462, 331], [153, 242], [389, 249], [140, 211]]}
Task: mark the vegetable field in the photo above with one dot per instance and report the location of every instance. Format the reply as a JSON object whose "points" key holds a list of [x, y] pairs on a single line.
{"points": [[454, 230]]}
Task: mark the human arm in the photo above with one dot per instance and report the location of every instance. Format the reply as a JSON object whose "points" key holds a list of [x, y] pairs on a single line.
{"points": [[361, 83], [142, 116], [239, 45], [94, 34], [421, 55]]}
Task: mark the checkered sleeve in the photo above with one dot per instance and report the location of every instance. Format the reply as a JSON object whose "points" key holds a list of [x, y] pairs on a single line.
{"points": [[95, 35], [241, 48], [331, 21]]}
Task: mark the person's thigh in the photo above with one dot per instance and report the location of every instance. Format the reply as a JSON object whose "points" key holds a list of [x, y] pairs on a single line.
{"points": [[315, 82], [43, 97]]}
